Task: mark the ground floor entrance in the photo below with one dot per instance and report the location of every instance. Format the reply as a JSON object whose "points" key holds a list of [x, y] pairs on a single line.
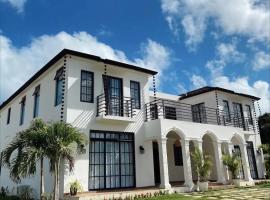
{"points": [[112, 162]]}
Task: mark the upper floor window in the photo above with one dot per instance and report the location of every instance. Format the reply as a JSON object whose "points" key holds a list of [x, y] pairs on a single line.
{"points": [[226, 110], [36, 95], [8, 115], [178, 159], [135, 94], [249, 115], [87, 86], [59, 76], [170, 112], [199, 113], [22, 110]]}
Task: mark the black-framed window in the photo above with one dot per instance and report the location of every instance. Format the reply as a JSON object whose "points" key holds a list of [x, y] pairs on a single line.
{"points": [[8, 115], [249, 115], [170, 112], [87, 86], [153, 111], [59, 76], [36, 95], [135, 94], [199, 113], [22, 110], [112, 160], [226, 110], [178, 158]]}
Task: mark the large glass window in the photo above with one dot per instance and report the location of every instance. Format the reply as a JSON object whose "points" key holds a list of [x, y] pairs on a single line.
{"points": [[226, 110], [22, 110], [135, 94], [59, 76], [249, 115], [8, 115], [36, 95], [112, 163], [170, 112], [87, 86], [199, 113]]}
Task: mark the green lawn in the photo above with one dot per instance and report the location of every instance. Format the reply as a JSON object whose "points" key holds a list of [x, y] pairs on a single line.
{"points": [[257, 192]]}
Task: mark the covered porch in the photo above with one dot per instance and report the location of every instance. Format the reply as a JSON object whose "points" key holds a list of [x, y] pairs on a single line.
{"points": [[174, 141]]}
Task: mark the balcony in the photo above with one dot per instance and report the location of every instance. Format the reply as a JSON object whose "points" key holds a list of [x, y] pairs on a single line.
{"points": [[115, 108], [175, 110]]}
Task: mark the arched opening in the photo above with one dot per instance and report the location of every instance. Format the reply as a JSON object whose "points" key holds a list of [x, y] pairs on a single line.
{"points": [[208, 149], [236, 140], [175, 158]]}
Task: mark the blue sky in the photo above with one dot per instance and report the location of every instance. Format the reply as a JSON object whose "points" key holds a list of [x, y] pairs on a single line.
{"points": [[191, 43]]}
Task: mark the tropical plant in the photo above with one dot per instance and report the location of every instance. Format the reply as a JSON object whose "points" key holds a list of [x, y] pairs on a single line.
{"points": [[266, 150], [264, 126], [233, 163], [75, 187], [62, 141], [202, 163], [23, 152]]}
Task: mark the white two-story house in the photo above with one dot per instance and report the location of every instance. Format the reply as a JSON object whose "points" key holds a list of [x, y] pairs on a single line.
{"points": [[137, 138]]}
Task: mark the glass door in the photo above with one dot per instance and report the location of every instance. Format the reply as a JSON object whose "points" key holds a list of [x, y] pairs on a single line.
{"points": [[252, 160], [238, 115], [112, 162]]}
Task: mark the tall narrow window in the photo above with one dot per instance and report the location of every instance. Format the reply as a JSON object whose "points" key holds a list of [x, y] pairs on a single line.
{"points": [[226, 110], [135, 94], [249, 115], [199, 113], [22, 110], [59, 76], [178, 159], [8, 115], [36, 95], [87, 86]]}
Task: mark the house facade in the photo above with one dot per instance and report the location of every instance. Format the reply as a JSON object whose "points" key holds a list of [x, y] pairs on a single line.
{"points": [[137, 138]]}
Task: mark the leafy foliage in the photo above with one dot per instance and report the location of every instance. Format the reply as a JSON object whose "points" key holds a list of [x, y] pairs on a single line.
{"points": [[266, 150], [203, 164], [264, 126], [233, 163]]}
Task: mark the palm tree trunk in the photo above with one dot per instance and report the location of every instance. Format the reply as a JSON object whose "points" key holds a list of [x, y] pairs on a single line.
{"points": [[42, 190], [57, 179]]}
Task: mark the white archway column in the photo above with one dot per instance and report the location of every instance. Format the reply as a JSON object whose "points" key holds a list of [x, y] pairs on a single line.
{"points": [[243, 148], [163, 162], [187, 163], [219, 162]]}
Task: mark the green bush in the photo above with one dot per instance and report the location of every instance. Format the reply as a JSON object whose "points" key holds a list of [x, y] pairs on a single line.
{"points": [[10, 198]]}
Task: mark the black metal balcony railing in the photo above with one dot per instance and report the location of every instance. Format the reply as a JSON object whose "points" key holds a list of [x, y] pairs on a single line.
{"points": [[115, 106], [175, 110]]}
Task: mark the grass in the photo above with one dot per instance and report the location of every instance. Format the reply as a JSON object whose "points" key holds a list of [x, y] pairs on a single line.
{"points": [[205, 196]]}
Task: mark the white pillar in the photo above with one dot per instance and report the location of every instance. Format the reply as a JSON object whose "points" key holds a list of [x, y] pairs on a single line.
{"points": [[187, 164], [163, 160], [244, 157], [219, 162]]}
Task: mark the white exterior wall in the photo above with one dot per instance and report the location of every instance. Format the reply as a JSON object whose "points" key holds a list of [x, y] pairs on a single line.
{"points": [[83, 116], [47, 111]]}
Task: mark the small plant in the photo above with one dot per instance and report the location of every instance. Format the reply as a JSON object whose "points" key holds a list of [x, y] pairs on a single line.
{"points": [[233, 163], [3, 191], [25, 192], [75, 187]]}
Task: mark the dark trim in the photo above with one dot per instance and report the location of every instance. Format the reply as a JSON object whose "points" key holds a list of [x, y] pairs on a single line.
{"points": [[93, 82], [8, 115], [74, 53], [210, 89], [136, 82]]}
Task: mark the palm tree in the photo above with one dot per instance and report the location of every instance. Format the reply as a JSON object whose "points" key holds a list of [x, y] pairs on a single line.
{"points": [[233, 163], [25, 150], [203, 164], [62, 140]]}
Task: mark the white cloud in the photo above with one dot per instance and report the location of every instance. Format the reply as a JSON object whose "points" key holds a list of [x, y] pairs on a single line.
{"points": [[228, 52], [17, 4], [261, 61], [232, 17], [198, 81], [19, 64]]}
